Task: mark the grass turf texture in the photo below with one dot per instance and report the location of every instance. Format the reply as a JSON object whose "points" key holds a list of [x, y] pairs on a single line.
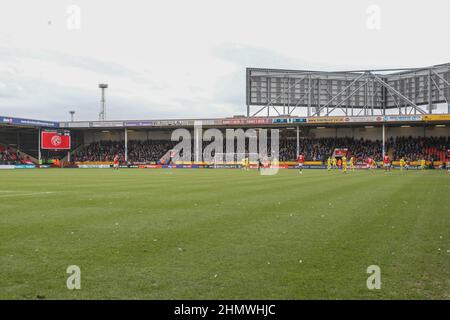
{"points": [[213, 234]]}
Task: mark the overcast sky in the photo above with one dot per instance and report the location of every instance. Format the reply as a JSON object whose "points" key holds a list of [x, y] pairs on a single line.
{"points": [[187, 58]]}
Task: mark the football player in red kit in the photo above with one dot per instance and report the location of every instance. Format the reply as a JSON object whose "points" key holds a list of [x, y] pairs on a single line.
{"points": [[386, 163], [116, 162], [301, 162], [371, 163]]}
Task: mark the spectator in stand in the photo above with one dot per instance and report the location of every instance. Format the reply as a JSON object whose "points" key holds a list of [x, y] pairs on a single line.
{"points": [[316, 149], [9, 156], [420, 147], [138, 151]]}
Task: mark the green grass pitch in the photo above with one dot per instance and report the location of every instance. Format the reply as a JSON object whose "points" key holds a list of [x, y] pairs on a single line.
{"points": [[224, 234]]}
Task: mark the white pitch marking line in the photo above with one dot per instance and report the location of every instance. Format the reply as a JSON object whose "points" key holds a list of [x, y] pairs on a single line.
{"points": [[24, 194]]}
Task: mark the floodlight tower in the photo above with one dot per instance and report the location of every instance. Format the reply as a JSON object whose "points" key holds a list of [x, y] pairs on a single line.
{"points": [[101, 115], [72, 113]]}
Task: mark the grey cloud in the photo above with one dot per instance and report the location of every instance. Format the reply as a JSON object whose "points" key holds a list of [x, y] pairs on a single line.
{"points": [[231, 88], [250, 56], [44, 100], [82, 62], [41, 99]]}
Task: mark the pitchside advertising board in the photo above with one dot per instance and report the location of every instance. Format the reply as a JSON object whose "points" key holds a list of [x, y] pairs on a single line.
{"points": [[55, 140], [437, 117]]}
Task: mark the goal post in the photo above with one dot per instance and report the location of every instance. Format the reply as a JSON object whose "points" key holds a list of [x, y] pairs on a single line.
{"points": [[234, 158]]}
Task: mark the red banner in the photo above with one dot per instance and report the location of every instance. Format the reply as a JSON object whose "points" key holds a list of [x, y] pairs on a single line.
{"points": [[55, 140], [340, 152]]}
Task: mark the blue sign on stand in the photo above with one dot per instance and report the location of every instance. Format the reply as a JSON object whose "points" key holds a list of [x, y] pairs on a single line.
{"points": [[29, 122]]}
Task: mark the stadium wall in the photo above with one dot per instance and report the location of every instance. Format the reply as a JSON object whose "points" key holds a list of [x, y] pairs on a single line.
{"points": [[114, 135], [24, 141], [150, 135], [375, 133], [417, 131]]}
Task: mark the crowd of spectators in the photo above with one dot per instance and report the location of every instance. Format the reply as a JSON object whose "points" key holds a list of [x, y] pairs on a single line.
{"points": [[428, 148], [138, 151], [315, 149], [319, 149], [9, 156], [410, 148], [100, 151]]}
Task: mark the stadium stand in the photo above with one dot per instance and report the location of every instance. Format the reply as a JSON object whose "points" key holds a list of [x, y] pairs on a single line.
{"points": [[322, 148], [315, 149], [432, 148], [138, 151], [9, 156]]}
